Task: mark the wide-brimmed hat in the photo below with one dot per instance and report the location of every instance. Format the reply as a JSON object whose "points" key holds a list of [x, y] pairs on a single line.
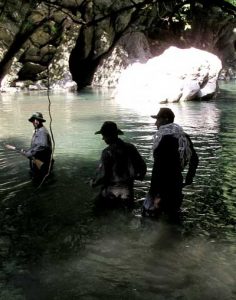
{"points": [[165, 112], [109, 128], [38, 116]]}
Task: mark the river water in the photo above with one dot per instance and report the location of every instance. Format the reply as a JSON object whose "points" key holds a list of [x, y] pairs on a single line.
{"points": [[53, 247]]}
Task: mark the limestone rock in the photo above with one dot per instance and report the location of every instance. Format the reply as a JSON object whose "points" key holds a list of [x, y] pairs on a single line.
{"points": [[176, 75]]}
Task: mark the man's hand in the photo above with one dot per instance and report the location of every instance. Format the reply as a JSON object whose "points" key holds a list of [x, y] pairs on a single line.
{"points": [[188, 181], [156, 202], [91, 182]]}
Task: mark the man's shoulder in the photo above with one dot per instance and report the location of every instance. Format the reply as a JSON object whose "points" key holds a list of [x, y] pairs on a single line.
{"points": [[169, 138], [43, 129], [120, 145], [107, 151], [129, 145]]}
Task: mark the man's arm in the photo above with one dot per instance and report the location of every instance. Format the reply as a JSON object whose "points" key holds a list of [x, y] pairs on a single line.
{"points": [[193, 164], [155, 178], [102, 173], [139, 165], [41, 142]]}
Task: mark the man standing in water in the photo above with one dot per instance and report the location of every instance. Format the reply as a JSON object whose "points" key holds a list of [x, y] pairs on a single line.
{"points": [[40, 152], [172, 151], [120, 165]]}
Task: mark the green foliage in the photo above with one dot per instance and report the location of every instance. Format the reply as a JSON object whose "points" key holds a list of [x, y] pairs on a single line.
{"points": [[51, 28], [27, 25], [233, 2]]}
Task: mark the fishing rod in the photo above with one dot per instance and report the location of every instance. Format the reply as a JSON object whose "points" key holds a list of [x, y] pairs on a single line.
{"points": [[36, 161], [50, 116]]}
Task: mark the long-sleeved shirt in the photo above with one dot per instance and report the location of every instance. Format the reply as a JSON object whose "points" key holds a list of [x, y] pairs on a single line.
{"points": [[41, 145]]}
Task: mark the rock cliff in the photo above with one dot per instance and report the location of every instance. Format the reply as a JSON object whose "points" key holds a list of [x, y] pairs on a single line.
{"points": [[70, 44]]}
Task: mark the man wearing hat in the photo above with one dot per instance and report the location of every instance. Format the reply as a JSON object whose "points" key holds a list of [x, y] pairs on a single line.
{"points": [[40, 151], [172, 152], [120, 165]]}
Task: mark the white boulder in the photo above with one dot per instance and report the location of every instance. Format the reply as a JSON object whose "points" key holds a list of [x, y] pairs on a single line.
{"points": [[176, 75]]}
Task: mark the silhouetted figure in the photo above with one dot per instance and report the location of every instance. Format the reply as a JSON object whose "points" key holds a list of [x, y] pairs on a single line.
{"points": [[172, 151], [119, 166]]}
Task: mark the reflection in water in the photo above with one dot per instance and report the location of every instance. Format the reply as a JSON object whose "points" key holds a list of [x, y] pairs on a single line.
{"points": [[53, 247]]}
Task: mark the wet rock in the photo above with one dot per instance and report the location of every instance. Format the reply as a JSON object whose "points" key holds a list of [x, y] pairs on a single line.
{"points": [[176, 75]]}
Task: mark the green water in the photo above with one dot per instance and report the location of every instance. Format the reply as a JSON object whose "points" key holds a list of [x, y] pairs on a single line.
{"points": [[53, 247]]}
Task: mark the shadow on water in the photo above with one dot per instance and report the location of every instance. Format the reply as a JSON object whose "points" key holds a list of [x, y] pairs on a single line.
{"points": [[37, 223], [51, 222]]}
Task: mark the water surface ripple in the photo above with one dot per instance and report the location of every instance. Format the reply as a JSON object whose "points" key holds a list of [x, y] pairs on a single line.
{"points": [[52, 245]]}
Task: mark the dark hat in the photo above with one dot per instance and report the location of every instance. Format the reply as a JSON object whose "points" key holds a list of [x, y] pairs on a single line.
{"points": [[38, 116], [109, 128], [165, 113]]}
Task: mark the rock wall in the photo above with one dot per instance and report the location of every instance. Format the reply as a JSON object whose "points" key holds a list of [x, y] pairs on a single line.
{"points": [[91, 42], [130, 48]]}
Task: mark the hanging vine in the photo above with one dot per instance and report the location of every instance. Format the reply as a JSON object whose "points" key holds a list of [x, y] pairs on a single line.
{"points": [[49, 112]]}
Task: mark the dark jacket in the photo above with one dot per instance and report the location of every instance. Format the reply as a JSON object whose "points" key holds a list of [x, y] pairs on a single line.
{"points": [[167, 176]]}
